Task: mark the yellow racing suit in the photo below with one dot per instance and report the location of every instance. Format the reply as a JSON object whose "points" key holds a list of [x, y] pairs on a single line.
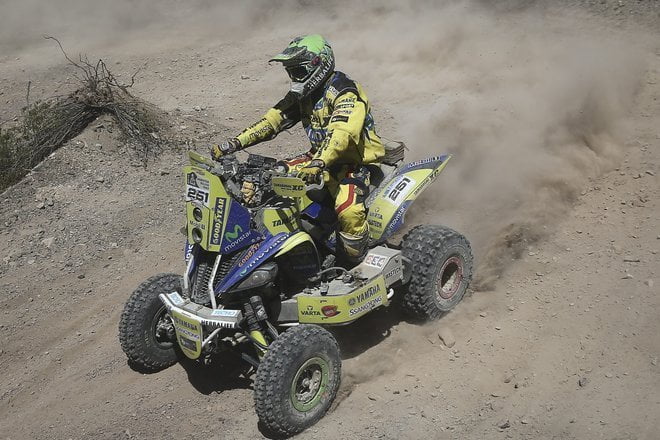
{"points": [[338, 122]]}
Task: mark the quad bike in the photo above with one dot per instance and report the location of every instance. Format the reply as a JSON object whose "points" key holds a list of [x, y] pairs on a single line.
{"points": [[262, 279]]}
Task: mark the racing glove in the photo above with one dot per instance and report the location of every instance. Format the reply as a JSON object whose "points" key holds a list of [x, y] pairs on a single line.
{"points": [[229, 146], [312, 172]]}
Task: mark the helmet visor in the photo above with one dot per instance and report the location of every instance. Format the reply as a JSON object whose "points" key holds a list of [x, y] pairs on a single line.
{"points": [[297, 73]]}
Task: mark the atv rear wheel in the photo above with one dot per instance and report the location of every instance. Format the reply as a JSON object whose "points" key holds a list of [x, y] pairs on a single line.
{"points": [[297, 379], [441, 270], [146, 332]]}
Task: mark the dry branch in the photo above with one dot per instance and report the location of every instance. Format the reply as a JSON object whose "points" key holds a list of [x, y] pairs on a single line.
{"points": [[46, 125]]}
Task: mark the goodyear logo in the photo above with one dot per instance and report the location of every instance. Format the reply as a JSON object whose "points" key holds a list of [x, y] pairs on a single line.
{"points": [[218, 220]]}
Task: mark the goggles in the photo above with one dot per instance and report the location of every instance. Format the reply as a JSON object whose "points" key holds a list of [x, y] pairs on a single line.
{"points": [[298, 72]]}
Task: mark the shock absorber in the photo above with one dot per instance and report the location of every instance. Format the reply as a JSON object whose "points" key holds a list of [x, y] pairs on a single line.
{"points": [[255, 314]]}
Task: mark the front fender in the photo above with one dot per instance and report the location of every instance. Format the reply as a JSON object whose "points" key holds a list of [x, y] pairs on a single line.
{"points": [[394, 197], [273, 246]]}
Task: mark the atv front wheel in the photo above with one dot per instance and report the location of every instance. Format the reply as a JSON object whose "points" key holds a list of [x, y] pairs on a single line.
{"points": [[146, 332], [441, 270], [297, 379]]}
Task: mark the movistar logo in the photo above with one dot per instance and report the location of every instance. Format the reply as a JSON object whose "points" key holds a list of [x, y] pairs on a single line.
{"points": [[233, 235]]}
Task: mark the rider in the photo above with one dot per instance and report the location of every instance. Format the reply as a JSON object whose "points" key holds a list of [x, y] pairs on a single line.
{"points": [[335, 113]]}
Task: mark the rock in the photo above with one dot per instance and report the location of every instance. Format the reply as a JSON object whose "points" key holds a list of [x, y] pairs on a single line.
{"points": [[482, 314], [164, 172], [582, 381], [508, 378], [649, 283], [627, 277], [498, 327], [504, 424], [31, 261], [524, 421], [41, 205], [81, 276], [197, 108], [608, 375], [631, 260], [100, 179], [48, 242], [650, 173], [98, 145], [511, 308], [371, 398], [447, 337], [245, 77]]}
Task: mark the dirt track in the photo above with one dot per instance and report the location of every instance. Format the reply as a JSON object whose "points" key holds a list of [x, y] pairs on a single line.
{"points": [[563, 344]]}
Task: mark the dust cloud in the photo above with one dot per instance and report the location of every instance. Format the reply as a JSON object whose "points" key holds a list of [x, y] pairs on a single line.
{"points": [[531, 102]]}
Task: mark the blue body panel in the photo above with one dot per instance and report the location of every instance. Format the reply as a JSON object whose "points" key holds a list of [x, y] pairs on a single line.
{"points": [[266, 249], [238, 234]]}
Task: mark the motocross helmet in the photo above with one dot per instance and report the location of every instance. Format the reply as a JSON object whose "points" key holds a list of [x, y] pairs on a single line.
{"points": [[309, 61]]}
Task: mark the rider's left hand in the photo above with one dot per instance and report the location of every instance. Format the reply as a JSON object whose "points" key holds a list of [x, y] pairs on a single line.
{"points": [[229, 146], [312, 172]]}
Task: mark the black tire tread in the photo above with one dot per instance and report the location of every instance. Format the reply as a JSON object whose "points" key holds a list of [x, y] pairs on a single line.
{"points": [[131, 323], [271, 376], [424, 245]]}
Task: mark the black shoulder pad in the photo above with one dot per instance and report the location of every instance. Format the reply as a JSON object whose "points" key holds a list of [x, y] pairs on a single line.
{"points": [[342, 84]]}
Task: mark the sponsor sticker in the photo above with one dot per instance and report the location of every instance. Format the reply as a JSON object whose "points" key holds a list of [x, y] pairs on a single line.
{"points": [[366, 306], [398, 190], [225, 313], [375, 260], [175, 298]]}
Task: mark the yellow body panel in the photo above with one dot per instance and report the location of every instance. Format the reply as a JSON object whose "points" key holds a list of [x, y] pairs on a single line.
{"points": [[340, 309], [189, 334], [293, 241], [285, 219], [402, 188], [206, 192]]}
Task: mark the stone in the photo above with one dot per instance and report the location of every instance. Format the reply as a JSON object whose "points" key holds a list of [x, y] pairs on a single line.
{"points": [[649, 283], [447, 337], [504, 424], [627, 277], [245, 77], [100, 179], [48, 242], [582, 381]]}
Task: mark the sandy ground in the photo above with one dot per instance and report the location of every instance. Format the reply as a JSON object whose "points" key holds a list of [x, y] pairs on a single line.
{"points": [[560, 340]]}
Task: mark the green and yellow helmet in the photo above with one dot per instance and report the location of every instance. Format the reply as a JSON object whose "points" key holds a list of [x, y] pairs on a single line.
{"points": [[309, 61]]}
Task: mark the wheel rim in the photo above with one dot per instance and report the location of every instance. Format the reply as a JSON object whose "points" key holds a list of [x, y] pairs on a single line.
{"points": [[450, 277], [162, 329], [309, 384]]}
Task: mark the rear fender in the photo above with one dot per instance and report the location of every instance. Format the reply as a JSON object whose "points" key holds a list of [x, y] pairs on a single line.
{"points": [[394, 197]]}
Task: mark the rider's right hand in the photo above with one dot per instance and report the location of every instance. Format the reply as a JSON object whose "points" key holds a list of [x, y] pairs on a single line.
{"points": [[229, 146]]}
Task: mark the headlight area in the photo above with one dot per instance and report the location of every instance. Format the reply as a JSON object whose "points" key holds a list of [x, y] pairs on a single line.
{"points": [[262, 276]]}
